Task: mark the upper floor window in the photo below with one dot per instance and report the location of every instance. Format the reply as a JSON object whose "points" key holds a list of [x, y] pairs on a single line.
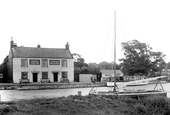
{"points": [[24, 63], [44, 63], [24, 75], [64, 63]]}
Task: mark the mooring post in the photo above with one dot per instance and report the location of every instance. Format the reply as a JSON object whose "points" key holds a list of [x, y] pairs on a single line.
{"points": [[79, 93]]}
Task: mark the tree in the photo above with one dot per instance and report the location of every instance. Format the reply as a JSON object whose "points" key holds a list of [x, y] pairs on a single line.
{"points": [[79, 62], [158, 62], [140, 59], [76, 56], [93, 68], [107, 66]]}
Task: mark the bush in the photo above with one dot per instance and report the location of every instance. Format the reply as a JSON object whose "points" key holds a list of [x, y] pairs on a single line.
{"points": [[90, 105]]}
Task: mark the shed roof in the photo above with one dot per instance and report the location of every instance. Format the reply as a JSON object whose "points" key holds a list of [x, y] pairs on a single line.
{"points": [[31, 52], [82, 71], [110, 71]]}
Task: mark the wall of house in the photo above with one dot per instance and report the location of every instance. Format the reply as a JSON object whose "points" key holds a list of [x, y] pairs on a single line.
{"points": [[17, 69], [133, 78], [107, 75], [10, 64], [3, 71], [9, 70]]}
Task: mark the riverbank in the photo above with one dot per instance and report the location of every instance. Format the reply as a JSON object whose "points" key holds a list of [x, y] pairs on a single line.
{"points": [[40, 86], [88, 105]]}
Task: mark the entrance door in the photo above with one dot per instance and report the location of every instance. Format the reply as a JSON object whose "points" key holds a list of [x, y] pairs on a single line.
{"points": [[35, 77], [55, 75]]}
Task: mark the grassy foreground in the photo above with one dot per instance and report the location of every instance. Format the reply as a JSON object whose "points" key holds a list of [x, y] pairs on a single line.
{"points": [[88, 105]]}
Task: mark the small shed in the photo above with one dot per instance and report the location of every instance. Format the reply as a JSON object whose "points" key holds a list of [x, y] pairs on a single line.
{"points": [[78, 72], [86, 77]]}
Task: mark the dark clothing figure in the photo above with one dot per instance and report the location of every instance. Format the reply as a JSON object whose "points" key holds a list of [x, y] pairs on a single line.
{"points": [[93, 80]]}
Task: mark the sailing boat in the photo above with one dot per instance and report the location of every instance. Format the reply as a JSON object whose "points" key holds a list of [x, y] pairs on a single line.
{"points": [[131, 93], [111, 83]]}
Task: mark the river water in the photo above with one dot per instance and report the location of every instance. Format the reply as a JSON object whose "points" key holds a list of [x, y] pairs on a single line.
{"points": [[14, 95]]}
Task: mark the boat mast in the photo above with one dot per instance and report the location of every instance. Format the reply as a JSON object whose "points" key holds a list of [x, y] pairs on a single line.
{"points": [[114, 52]]}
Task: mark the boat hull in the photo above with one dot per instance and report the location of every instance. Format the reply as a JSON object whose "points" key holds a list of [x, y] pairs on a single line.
{"points": [[132, 94], [139, 84], [155, 82]]}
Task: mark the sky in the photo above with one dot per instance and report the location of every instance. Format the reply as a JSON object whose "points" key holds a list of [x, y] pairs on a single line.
{"points": [[88, 25]]}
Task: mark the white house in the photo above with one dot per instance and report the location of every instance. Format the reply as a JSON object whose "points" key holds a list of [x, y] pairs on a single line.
{"points": [[106, 74], [36, 64]]}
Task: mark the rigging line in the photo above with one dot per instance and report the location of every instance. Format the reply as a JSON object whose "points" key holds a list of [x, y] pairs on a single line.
{"points": [[122, 28], [107, 38]]}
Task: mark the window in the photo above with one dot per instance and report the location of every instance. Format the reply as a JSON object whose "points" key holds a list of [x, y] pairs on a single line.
{"points": [[64, 63], [44, 75], [64, 74], [44, 63], [24, 63], [24, 75]]}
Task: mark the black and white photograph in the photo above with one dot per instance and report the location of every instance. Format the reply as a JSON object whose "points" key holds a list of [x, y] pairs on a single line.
{"points": [[84, 57]]}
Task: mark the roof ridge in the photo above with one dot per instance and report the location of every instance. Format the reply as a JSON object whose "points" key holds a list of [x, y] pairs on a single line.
{"points": [[38, 48], [35, 52]]}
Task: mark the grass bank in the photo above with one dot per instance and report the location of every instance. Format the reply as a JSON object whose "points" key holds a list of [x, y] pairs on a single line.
{"points": [[39, 86], [88, 105]]}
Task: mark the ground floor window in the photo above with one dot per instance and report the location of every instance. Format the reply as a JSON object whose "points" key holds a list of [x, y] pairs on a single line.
{"points": [[64, 74], [44, 75], [24, 75]]}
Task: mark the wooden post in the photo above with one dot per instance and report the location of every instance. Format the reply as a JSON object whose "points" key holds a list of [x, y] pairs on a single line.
{"points": [[115, 53], [79, 93]]}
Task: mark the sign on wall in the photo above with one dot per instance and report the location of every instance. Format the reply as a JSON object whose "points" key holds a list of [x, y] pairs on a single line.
{"points": [[54, 62], [34, 62]]}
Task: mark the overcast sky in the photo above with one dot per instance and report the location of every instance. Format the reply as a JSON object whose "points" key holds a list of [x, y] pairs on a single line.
{"points": [[88, 25]]}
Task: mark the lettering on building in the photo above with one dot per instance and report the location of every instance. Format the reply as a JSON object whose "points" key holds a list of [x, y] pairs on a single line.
{"points": [[54, 62], [34, 62]]}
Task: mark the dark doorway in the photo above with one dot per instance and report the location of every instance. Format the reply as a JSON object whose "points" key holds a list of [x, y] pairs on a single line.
{"points": [[55, 77], [35, 77]]}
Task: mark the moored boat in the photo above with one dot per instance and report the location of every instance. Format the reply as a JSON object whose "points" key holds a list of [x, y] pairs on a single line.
{"points": [[155, 81], [134, 94], [138, 83], [137, 93]]}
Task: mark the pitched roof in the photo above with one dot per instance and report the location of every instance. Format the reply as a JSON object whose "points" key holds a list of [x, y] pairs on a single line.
{"points": [[31, 52], [81, 71], [110, 71]]}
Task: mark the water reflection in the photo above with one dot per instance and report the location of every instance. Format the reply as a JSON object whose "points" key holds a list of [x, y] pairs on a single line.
{"points": [[8, 95]]}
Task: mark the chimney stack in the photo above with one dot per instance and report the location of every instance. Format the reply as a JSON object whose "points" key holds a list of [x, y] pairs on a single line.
{"points": [[38, 46], [67, 46], [11, 43]]}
